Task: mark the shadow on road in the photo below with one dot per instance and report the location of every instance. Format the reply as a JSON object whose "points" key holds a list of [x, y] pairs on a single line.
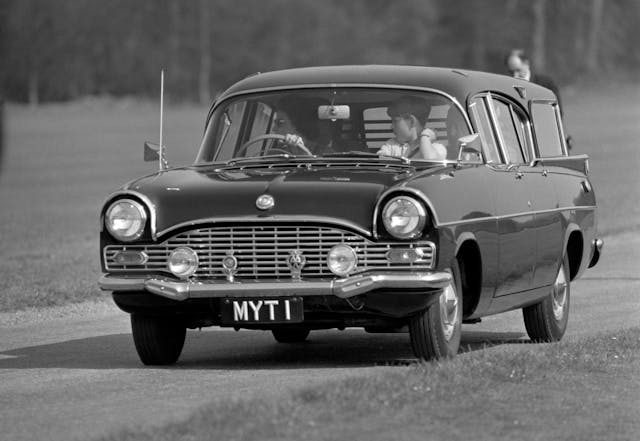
{"points": [[244, 350]]}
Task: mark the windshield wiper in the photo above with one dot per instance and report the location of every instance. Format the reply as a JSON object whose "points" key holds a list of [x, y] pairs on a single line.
{"points": [[358, 154], [285, 156]]}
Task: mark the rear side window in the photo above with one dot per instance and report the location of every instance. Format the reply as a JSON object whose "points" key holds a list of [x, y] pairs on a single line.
{"points": [[547, 130]]}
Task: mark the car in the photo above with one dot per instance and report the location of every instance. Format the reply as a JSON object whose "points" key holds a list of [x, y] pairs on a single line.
{"points": [[307, 208]]}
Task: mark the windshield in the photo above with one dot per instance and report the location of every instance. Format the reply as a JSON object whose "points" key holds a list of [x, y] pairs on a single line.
{"points": [[334, 122]]}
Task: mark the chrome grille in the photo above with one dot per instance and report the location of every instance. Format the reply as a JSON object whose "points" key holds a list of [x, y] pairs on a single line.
{"points": [[262, 251]]}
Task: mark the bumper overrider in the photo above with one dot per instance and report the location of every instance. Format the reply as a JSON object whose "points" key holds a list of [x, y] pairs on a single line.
{"points": [[341, 288]]}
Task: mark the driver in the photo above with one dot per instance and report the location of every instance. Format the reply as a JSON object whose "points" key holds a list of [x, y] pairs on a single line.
{"points": [[299, 123]]}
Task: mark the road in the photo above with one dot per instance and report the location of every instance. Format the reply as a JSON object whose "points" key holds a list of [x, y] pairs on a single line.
{"points": [[79, 377]]}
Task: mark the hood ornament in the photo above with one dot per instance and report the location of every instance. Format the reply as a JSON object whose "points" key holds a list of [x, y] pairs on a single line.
{"points": [[265, 202]]}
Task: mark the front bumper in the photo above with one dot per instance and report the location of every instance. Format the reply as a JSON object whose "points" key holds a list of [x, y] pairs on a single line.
{"points": [[597, 250], [342, 288]]}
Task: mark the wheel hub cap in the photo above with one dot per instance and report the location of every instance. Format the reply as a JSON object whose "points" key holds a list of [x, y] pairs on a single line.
{"points": [[559, 294], [449, 310]]}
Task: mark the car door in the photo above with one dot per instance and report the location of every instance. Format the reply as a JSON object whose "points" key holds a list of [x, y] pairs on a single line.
{"points": [[566, 175], [511, 195], [545, 202]]}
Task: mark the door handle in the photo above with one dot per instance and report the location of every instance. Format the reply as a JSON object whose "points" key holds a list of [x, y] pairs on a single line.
{"points": [[519, 175]]}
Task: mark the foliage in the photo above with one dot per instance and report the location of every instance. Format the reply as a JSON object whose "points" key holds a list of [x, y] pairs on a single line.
{"points": [[68, 48]]}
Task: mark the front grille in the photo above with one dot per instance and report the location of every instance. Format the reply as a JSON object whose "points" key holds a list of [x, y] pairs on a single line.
{"points": [[262, 251]]}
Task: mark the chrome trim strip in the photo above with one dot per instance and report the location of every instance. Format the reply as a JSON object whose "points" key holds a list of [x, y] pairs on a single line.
{"points": [[270, 219], [143, 198], [342, 288], [524, 213]]}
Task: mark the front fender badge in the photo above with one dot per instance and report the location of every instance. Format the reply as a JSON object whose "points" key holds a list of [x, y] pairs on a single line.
{"points": [[265, 202]]}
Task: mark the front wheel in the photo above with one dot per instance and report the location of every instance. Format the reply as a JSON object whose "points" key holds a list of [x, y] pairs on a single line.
{"points": [[435, 333], [546, 321], [158, 340]]}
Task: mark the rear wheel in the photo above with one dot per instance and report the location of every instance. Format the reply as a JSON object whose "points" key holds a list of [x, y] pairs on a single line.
{"points": [[158, 340], [435, 333], [547, 320], [290, 335]]}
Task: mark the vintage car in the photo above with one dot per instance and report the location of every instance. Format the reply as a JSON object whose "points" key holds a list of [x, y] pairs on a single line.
{"points": [[390, 198]]}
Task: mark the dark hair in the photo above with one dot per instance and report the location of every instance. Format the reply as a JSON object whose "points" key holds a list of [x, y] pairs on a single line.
{"points": [[410, 105], [520, 53]]}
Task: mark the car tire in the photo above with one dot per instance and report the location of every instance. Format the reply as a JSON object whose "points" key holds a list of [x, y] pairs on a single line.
{"points": [[547, 320], [290, 335], [435, 333], [158, 340]]}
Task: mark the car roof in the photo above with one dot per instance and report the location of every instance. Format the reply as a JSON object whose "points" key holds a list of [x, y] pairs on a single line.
{"points": [[458, 83]]}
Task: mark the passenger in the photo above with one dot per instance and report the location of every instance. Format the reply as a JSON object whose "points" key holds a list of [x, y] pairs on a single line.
{"points": [[412, 139]]}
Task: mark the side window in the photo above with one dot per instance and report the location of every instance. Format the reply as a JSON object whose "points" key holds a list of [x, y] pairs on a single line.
{"points": [[483, 125], [507, 128], [261, 124], [547, 130], [230, 129], [523, 129]]}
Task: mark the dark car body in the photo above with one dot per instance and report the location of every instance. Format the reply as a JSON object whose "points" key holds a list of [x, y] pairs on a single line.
{"points": [[511, 219]]}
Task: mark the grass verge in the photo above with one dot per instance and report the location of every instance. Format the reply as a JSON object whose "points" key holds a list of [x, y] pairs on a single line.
{"points": [[586, 389]]}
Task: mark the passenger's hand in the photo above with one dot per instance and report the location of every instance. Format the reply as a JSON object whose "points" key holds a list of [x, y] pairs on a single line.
{"points": [[428, 133], [292, 139]]}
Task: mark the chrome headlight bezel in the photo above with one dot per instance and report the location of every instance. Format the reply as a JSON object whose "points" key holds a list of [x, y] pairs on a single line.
{"points": [[342, 260], [185, 257], [417, 218], [139, 220]]}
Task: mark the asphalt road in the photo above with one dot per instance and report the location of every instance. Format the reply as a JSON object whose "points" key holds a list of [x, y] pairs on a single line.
{"points": [[79, 377]]}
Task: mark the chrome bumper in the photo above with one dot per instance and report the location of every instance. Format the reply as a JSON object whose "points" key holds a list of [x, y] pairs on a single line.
{"points": [[343, 288], [597, 250]]}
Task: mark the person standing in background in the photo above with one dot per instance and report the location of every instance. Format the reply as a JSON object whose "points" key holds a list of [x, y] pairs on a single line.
{"points": [[519, 66]]}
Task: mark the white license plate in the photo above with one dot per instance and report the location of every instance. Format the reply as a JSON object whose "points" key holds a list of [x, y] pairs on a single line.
{"points": [[262, 310]]}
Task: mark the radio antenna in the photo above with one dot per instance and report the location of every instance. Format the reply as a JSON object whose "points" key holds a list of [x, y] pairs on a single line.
{"points": [[161, 148]]}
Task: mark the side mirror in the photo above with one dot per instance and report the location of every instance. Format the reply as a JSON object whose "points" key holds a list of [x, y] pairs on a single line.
{"points": [[152, 153], [470, 146]]}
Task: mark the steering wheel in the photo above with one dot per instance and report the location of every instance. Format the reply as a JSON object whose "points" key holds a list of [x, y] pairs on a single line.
{"points": [[273, 136]]}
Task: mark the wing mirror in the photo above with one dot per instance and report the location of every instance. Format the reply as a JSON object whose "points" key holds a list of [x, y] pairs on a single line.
{"points": [[470, 148], [152, 153]]}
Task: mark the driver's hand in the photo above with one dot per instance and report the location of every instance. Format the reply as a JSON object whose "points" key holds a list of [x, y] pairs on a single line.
{"points": [[292, 139]]}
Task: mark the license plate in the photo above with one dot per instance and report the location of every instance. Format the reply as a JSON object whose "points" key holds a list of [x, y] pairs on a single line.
{"points": [[250, 311]]}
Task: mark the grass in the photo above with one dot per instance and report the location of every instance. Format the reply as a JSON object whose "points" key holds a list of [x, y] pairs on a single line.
{"points": [[61, 161], [586, 389]]}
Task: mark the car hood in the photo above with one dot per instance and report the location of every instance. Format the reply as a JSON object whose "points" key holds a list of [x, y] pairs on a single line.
{"points": [[193, 195]]}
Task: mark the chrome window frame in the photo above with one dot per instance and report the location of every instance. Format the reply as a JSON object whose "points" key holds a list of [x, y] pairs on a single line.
{"points": [[473, 110]]}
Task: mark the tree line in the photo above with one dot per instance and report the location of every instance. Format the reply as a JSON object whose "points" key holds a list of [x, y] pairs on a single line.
{"points": [[65, 49]]}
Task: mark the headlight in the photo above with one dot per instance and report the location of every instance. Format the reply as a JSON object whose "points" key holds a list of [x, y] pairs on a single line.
{"points": [[183, 262], [125, 219], [404, 217], [342, 260]]}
